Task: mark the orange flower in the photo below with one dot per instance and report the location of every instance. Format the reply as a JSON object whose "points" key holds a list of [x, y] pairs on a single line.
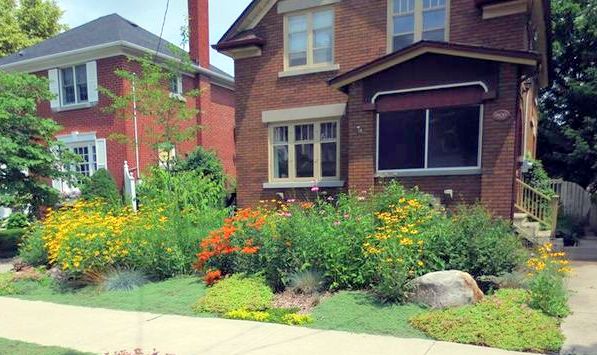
{"points": [[212, 276]]}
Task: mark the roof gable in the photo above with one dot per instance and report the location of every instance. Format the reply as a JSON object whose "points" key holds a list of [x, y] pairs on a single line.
{"points": [[424, 47], [249, 18]]}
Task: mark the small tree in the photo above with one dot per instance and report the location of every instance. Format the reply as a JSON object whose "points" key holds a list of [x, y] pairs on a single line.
{"points": [[101, 185], [24, 23], [31, 155], [173, 122]]}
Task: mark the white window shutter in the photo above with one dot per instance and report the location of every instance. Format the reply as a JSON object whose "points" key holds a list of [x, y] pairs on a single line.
{"points": [[92, 93], [54, 88], [179, 84], [101, 153]]}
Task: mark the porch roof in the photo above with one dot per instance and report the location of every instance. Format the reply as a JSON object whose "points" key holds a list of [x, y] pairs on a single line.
{"points": [[444, 48]]}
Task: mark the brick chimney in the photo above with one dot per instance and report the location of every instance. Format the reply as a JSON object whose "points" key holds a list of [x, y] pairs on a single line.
{"points": [[199, 31]]}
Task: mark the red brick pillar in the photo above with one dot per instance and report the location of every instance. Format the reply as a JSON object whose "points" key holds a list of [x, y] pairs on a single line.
{"points": [[499, 146], [361, 141]]}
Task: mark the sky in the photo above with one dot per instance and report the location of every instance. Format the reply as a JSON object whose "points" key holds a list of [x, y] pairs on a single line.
{"points": [[149, 14]]}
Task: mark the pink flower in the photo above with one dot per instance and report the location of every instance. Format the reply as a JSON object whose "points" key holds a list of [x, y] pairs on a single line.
{"points": [[330, 198], [337, 223], [314, 189], [291, 200], [346, 216], [285, 214]]}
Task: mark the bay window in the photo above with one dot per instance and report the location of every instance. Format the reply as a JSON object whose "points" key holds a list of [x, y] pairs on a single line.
{"points": [[304, 151], [413, 20], [439, 139], [309, 38]]}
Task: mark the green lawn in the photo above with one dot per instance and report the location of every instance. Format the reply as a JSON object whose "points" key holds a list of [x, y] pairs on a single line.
{"points": [[173, 296], [13, 347], [348, 311], [358, 312]]}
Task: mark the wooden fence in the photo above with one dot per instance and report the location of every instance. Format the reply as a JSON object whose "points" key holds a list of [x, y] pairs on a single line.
{"points": [[575, 201]]}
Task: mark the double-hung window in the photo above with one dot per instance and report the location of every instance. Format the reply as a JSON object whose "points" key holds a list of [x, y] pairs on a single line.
{"points": [[309, 39], [305, 151], [87, 165], [175, 84], [433, 140], [73, 85], [414, 20]]}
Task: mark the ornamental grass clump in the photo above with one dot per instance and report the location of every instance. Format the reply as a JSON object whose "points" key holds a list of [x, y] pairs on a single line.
{"points": [[124, 280]]}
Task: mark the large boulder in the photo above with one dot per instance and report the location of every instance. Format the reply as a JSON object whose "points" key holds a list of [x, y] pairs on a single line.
{"points": [[443, 289]]}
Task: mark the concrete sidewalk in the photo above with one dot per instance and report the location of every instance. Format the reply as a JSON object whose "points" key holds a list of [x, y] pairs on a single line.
{"points": [[102, 330], [580, 328]]}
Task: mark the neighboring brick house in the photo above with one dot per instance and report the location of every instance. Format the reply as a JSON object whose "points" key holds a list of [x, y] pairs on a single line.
{"points": [[349, 93], [79, 60]]}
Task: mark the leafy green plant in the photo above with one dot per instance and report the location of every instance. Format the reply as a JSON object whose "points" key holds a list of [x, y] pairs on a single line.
{"points": [[32, 249], [306, 282], [234, 293], [188, 191], [547, 289], [101, 186], [124, 280], [17, 220], [502, 321], [477, 243]]}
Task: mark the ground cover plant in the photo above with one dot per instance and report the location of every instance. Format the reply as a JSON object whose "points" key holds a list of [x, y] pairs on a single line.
{"points": [[502, 320], [234, 293]]}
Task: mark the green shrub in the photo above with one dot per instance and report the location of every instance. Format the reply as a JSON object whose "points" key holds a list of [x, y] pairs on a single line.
{"points": [[538, 178], [101, 186], [9, 241], [478, 244], [124, 280], [236, 292], [188, 191], [501, 321], [204, 162], [17, 220], [32, 249]]}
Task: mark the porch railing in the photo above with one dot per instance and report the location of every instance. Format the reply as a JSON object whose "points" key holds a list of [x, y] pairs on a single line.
{"points": [[537, 205]]}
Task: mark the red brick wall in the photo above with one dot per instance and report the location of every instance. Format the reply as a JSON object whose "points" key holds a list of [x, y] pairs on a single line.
{"points": [[95, 119], [360, 32]]}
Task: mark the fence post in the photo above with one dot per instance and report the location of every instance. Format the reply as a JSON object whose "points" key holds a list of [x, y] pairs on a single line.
{"points": [[555, 205]]}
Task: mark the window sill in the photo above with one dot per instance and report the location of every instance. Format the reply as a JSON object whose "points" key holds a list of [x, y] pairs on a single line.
{"points": [[302, 184], [429, 172], [74, 107], [308, 70], [178, 97]]}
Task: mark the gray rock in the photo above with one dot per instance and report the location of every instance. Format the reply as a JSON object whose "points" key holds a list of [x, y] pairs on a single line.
{"points": [[443, 289]]}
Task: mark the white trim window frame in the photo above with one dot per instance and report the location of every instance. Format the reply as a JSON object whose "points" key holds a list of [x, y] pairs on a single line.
{"points": [[310, 30], [418, 20], [426, 170], [77, 83], [88, 152], [283, 140]]}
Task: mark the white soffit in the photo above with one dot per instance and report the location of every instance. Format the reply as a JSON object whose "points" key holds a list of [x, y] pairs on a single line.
{"points": [[297, 5], [304, 113]]}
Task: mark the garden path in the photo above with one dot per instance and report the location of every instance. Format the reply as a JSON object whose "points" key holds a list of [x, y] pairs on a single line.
{"points": [[102, 330], [580, 328]]}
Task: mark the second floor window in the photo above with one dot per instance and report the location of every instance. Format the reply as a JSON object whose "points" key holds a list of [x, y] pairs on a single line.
{"points": [[73, 83], [310, 38], [415, 20]]}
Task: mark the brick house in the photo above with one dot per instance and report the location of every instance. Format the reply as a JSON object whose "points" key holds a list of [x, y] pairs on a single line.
{"points": [[78, 60], [347, 94]]}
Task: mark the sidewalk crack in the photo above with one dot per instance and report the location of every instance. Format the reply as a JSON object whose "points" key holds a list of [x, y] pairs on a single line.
{"points": [[430, 347]]}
